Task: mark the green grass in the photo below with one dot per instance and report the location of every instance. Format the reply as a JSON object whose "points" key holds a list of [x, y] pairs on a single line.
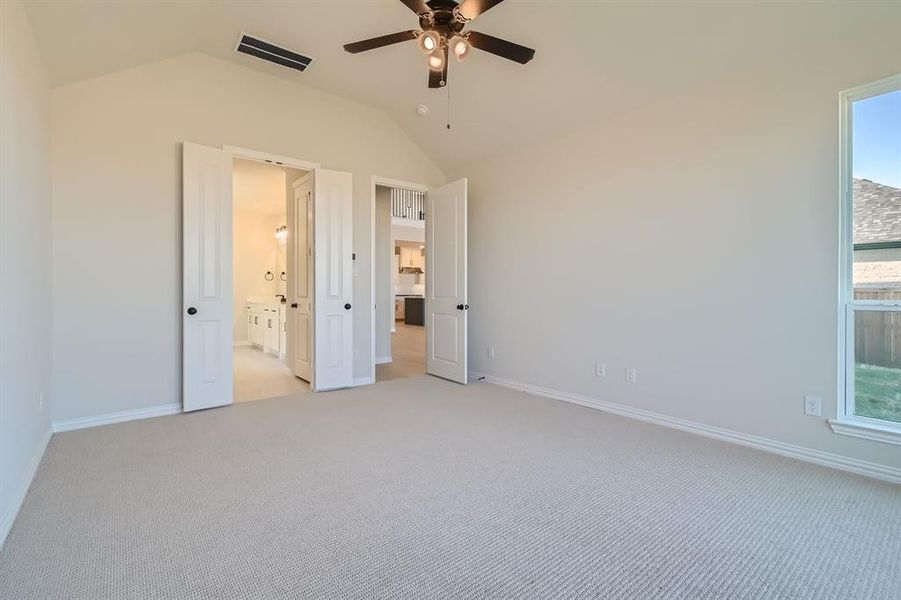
{"points": [[878, 392]]}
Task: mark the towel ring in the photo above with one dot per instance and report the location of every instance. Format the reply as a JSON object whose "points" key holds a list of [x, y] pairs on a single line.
{"points": [[269, 276]]}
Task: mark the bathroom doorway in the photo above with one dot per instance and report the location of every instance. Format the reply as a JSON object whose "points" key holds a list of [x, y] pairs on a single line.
{"points": [[261, 338]]}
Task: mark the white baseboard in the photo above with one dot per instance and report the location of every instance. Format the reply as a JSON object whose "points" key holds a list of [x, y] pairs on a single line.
{"points": [[117, 417], [9, 516], [827, 459], [241, 344], [383, 360]]}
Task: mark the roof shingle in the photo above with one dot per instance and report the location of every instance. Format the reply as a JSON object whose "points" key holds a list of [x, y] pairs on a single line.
{"points": [[877, 212]]}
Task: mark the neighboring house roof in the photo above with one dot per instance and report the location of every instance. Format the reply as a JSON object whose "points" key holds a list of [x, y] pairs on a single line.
{"points": [[877, 212]]}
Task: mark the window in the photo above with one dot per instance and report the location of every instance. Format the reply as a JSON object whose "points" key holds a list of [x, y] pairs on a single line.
{"points": [[870, 403]]}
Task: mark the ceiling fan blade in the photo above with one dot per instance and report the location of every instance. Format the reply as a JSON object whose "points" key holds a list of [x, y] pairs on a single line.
{"points": [[417, 6], [500, 47], [438, 79], [384, 40], [470, 9]]}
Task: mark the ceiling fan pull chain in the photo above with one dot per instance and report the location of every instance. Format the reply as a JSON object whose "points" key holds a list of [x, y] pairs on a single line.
{"points": [[448, 107]]}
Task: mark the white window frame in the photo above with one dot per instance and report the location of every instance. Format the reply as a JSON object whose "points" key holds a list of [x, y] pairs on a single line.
{"points": [[846, 422]]}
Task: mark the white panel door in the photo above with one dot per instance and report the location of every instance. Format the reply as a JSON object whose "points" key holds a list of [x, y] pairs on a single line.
{"points": [[300, 264], [207, 272], [446, 302], [333, 280]]}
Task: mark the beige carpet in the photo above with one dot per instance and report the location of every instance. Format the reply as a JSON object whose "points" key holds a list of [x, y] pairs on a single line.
{"points": [[420, 488]]}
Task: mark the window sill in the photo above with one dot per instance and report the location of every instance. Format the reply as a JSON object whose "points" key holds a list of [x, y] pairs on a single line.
{"points": [[889, 434]]}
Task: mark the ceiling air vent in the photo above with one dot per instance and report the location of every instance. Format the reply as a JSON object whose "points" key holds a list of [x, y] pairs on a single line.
{"points": [[272, 53]]}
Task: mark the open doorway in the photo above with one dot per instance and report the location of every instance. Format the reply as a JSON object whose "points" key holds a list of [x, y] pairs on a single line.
{"points": [[400, 260], [261, 337], [419, 280]]}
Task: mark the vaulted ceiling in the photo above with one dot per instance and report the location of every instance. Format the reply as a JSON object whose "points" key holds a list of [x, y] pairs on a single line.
{"points": [[593, 58]]}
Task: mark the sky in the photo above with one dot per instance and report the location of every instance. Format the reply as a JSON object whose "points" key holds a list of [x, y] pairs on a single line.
{"points": [[876, 125]]}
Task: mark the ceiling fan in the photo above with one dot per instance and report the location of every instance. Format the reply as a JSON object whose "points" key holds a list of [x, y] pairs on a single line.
{"points": [[442, 24]]}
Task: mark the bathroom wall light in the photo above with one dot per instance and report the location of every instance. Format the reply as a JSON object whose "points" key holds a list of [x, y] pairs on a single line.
{"points": [[281, 233]]}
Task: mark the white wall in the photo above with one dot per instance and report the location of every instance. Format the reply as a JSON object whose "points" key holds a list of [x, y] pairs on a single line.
{"points": [[694, 239], [408, 233], [255, 253], [117, 209], [25, 357]]}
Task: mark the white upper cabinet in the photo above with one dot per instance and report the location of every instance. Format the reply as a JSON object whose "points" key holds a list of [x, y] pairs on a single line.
{"points": [[411, 256]]}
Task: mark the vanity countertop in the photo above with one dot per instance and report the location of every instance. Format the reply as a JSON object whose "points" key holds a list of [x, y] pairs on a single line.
{"points": [[263, 300]]}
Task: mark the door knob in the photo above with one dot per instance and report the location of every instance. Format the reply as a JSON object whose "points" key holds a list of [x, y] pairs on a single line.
{"points": [[294, 305], [192, 310], [347, 306], [459, 307]]}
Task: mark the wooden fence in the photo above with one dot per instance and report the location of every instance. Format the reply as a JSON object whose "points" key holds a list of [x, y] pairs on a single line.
{"points": [[877, 333]]}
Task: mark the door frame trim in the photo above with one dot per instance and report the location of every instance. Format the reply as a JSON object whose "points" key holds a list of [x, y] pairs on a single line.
{"points": [[276, 161], [376, 180], [281, 161], [297, 182]]}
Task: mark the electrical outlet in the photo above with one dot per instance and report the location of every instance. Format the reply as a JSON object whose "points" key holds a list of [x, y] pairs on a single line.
{"points": [[600, 369], [813, 406], [631, 376], [490, 351]]}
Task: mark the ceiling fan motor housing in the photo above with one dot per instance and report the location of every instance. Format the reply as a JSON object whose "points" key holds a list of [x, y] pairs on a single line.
{"points": [[443, 19], [442, 24]]}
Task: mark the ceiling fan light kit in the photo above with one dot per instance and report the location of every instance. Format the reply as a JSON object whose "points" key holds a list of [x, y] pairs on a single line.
{"points": [[442, 24], [460, 47], [436, 60], [429, 41]]}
